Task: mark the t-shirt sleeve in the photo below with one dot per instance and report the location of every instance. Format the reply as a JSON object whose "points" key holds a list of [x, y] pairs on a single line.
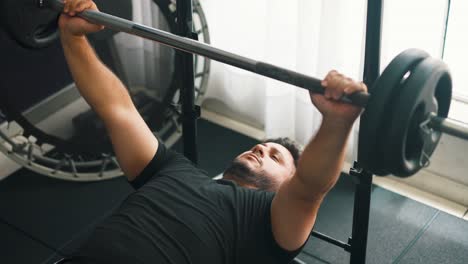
{"points": [[255, 230], [165, 160]]}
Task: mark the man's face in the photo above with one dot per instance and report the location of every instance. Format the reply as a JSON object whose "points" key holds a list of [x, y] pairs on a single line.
{"points": [[266, 166]]}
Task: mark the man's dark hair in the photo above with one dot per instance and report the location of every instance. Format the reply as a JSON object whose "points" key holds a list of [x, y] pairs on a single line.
{"points": [[290, 145]]}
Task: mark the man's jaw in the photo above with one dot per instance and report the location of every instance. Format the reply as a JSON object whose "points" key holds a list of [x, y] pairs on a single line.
{"points": [[241, 171]]}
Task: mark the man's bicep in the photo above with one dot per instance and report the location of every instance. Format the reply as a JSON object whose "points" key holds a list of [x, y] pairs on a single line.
{"points": [[292, 217], [134, 143]]}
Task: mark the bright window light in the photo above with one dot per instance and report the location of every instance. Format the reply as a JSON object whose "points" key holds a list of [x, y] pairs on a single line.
{"points": [[423, 24], [456, 47], [413, 24]]}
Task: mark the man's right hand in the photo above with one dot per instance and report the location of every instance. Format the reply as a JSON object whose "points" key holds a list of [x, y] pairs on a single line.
{"points": [[333, 110], [70, 24]]}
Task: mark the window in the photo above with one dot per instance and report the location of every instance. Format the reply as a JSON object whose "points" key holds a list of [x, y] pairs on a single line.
{"points": [[424, 24], [456, 48]]}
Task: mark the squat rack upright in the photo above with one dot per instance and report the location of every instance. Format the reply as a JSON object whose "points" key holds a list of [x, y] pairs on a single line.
{"points": [[357, 243], [185, 78]]}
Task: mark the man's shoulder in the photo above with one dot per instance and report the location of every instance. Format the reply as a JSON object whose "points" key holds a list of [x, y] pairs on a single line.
{"points": [[167, 163]]}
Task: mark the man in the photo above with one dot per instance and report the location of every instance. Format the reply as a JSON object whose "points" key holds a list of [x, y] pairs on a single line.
{"points": [[263, 209]]}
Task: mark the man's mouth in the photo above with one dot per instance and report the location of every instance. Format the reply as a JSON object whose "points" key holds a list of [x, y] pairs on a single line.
{"points": [[255, 157]]}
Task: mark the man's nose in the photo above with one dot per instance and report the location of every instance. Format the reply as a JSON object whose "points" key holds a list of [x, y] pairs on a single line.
{"points": [[260, 149]]}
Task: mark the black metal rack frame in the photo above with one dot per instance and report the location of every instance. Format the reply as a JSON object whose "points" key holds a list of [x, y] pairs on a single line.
{"points": [[357, 243], [184, 75]]}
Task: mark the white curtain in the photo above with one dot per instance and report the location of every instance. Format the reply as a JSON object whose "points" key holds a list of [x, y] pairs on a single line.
{"points": [[309, 36], [146, 64]]}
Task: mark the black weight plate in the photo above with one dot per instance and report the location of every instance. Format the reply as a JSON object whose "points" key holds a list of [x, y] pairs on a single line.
{"points": [[30, 26], [73, 145], [374, 119], [35, 28], [427, 90]]}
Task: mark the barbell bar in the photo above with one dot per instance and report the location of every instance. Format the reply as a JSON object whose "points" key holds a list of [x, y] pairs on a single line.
{"points": [[402, 69], [261, 68], [449, 126], [199, 48]]}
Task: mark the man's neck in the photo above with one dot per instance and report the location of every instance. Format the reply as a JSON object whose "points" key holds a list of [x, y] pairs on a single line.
{"points": [[238, 181]]}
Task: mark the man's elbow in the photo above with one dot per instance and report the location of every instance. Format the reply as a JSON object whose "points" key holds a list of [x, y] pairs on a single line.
{"points": [[303, 190]]}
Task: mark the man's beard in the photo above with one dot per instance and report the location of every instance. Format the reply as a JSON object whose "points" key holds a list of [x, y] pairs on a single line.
{"points": [[239, 170]]}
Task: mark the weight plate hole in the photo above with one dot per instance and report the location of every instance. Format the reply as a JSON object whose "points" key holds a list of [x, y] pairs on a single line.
{"points": [[406, 76]]}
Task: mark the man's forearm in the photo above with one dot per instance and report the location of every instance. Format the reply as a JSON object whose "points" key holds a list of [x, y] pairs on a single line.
{"points": [[97, 84], [321, 162]]}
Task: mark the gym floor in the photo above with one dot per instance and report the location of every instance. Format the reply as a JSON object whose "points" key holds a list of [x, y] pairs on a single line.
{"points": [[42, 218]]}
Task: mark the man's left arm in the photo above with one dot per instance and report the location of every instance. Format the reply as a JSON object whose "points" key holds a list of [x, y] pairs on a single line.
{"points": [[295, 206]]}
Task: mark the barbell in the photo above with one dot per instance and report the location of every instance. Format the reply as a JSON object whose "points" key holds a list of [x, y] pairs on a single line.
{"points": [[404, 116]]}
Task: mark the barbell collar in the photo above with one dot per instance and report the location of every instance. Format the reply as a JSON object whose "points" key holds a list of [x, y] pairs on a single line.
{"points": [[188, 45], [449, 126]]}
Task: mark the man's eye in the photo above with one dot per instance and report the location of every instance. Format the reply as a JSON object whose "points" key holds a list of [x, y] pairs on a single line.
{"points": [[275, 159]]}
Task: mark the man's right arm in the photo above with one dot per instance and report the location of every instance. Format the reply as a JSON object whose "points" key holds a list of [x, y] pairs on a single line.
{"points": [[132, 140], [295, 206]]}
